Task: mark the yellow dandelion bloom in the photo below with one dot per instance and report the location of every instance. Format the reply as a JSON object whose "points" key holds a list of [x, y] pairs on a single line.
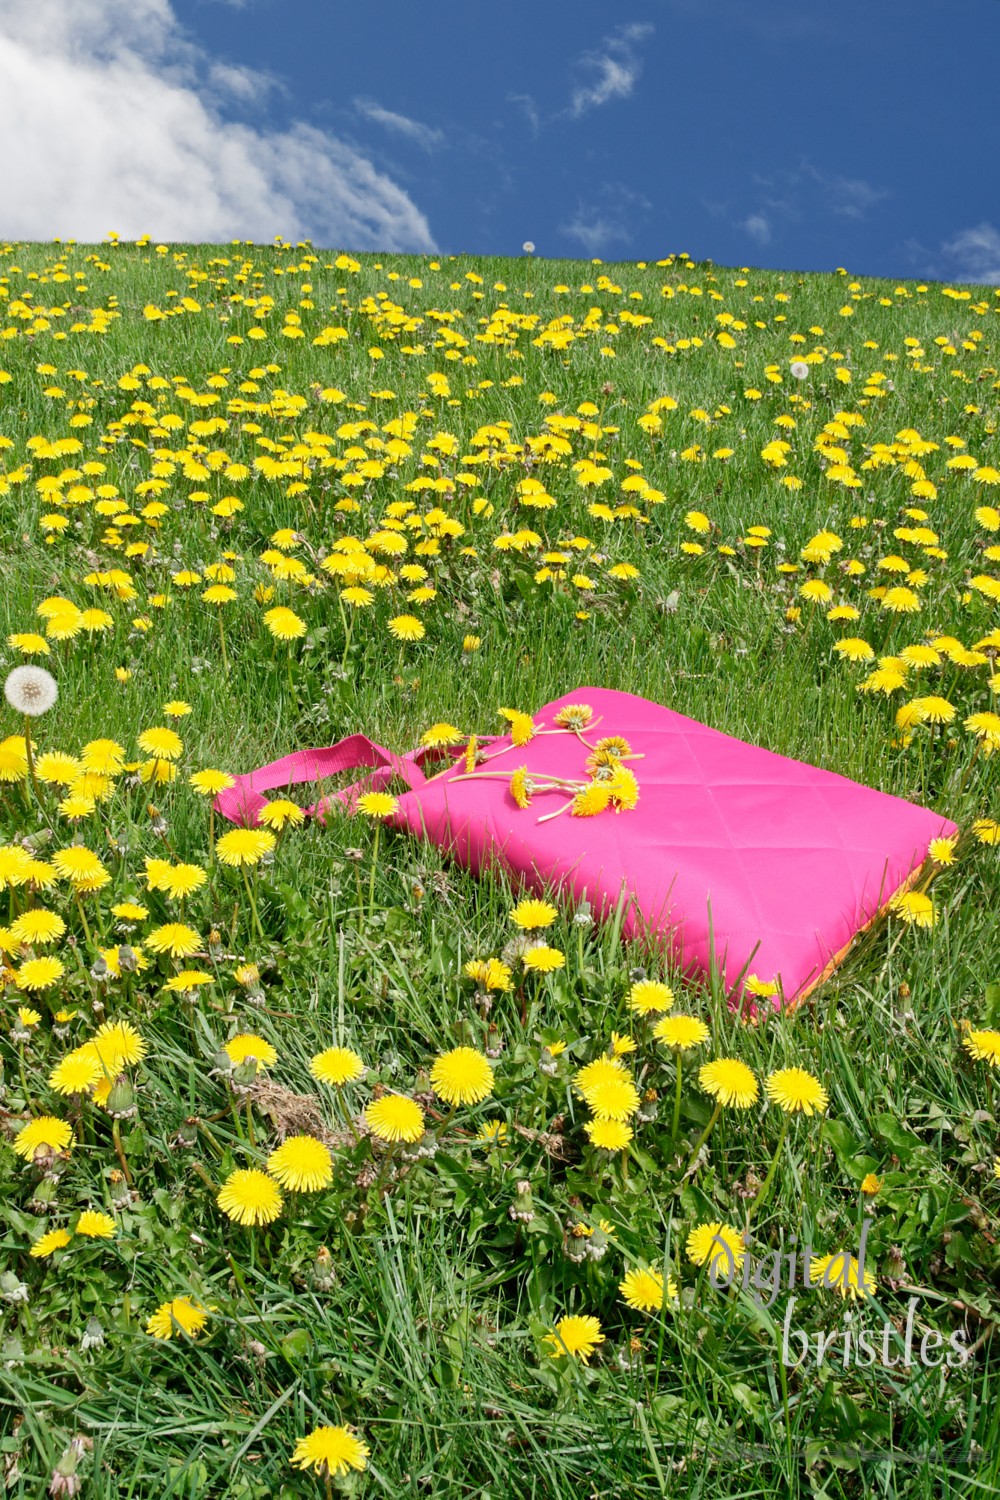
{"points": [[462, 1076], [648, 996], [841, 1273], [376, 805], [577, 1336], [531, 915], [716, 1245], [644, 1290], [984, 1046], [250, 1197], [794, 1090], [543, 960], [301, 1164], [48, 1244], [729, 1081], [608, 1135], [337, 1066], [245, 846], [394, 1117], [330, 1452], [681, 1032], [246, 1047], [96, 1226], [182, 1314], [45, 1133]]}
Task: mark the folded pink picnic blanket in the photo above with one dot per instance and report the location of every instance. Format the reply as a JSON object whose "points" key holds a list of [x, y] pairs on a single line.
{"points": [[732, 857]]}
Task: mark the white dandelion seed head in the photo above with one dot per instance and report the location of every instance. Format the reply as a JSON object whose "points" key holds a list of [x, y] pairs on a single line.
{"points": [[30, 690], [528, 247], [799, 369]]}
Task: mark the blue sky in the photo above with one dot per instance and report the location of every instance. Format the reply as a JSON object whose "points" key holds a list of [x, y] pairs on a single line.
{"points": [[781, 133]]}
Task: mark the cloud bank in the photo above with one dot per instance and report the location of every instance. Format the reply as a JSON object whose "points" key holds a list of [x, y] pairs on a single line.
{"points": [[112, 120]]}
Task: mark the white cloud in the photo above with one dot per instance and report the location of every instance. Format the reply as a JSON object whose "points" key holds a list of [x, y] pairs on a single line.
{"points": [[597, 226], [110, 120], [975, 254], [423, 135], [594, 234], [759, 227], [617, 69], [529, 106]]}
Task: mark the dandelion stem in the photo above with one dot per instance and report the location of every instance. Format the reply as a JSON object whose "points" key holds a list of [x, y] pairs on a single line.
{"points": [[83, 919], [558, 813], [116, 1136], [371, 883], [253, 903], [677, 1101], [765, 1188], [222, 643], [30, 754], [250, 1130]]}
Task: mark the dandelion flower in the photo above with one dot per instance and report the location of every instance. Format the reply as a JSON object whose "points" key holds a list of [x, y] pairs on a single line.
{"points": [[161, 743], [543, 960], [337, 1066], [246, 1047], [608, 1135], [613, 1098], [793, 1089], [39, 973], [942, 850], [81, 867], [209, 783], [279, 812], [406, 628], [729, 1081], [490, 974], [250, 1197], [376, 805], [177, 881], [77, 1072], [648, 996], [984, 1046], [531, 915], [175, 938], [118, 1045], [841, 1273], [394, 1117], [106, 757], [598, 1071], [96, 1226], [46, 1133], [716, 1243], [577, 1336], [180, 1313], [870, 1184], [462, 1076], [48, 1244], [681, 1032], [245, 846], [914, 908], [439, 736], [644, 1290], [330, 1452], [284, 624], [302, 1164]]}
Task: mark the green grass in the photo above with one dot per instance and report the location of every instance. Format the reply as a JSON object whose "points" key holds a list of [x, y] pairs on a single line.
{"points": [[427, 1333]]}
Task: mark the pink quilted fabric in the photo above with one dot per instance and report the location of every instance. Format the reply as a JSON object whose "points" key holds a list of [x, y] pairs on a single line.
{"points": [[734, 856]]}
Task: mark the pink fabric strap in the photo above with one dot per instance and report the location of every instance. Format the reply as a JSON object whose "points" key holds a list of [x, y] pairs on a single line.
{"points": [[242, 802]]}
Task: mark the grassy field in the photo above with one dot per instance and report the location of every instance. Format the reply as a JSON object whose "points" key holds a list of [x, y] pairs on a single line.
{"points": [[765, 500]]}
